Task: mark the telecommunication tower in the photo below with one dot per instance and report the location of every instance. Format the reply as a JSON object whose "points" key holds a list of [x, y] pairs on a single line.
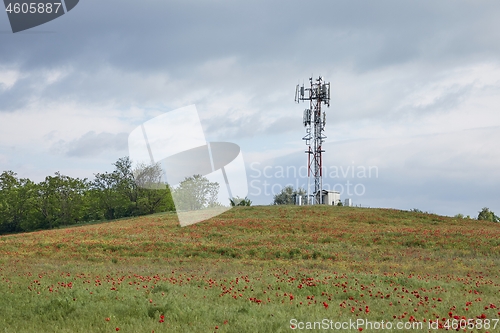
{"points": [[314, 121]]}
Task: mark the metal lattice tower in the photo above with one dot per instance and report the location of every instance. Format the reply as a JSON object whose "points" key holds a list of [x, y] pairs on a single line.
{"points": [[314, 121]]}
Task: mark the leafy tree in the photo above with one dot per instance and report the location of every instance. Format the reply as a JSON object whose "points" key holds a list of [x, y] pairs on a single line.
{"points": [[113, 203], [288, 195], [61, 200], [285, 197], [487, 215], [16, 203], [129, 191], [126, 183], [195, 193], [117, 192], [93, 208], [153, 194]]}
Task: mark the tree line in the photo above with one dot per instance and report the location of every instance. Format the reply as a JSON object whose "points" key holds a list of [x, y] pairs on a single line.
{"points": [[62, 200]]}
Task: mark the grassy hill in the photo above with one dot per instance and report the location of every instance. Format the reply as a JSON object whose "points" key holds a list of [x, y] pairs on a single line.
{"points": [[254, 269]]}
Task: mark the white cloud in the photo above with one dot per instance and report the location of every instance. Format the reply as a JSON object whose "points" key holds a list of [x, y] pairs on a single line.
{"points": [[8, 77]]}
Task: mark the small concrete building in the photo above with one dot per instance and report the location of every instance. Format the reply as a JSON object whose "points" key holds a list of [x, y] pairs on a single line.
{"points": [[330, 197], [348, 202]]}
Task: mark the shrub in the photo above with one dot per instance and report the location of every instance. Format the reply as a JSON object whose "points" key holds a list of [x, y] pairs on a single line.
{"points": [[487, 215]]}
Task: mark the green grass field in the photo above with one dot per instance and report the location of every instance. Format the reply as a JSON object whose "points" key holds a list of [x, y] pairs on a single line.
{"points": [[256, 269]]}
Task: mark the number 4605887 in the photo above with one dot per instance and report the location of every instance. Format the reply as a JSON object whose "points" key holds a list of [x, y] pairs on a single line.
{"points": [[33, 8]]}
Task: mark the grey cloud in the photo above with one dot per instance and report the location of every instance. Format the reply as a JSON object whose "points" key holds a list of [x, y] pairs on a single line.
{"points": [[451, 98], [448, 100], [173, 39], [249, 126], [284, 125], [92, 144], [22, 93], [150, 36], [227, 127]]}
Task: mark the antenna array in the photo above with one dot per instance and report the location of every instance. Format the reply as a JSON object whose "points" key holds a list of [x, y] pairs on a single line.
{"points": [[314, 121]]}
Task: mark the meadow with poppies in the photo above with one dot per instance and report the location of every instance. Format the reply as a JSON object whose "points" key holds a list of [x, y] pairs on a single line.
{"points": [[254, 269]]}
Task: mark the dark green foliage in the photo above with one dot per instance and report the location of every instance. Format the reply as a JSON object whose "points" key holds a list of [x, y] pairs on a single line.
{"points": [[285, 197], [237, 201], [152, 194], [17, 198], [487, 215], [62, 200]]}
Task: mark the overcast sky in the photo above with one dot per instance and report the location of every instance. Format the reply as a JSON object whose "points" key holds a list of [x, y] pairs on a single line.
{"points": [[415, 91]]}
